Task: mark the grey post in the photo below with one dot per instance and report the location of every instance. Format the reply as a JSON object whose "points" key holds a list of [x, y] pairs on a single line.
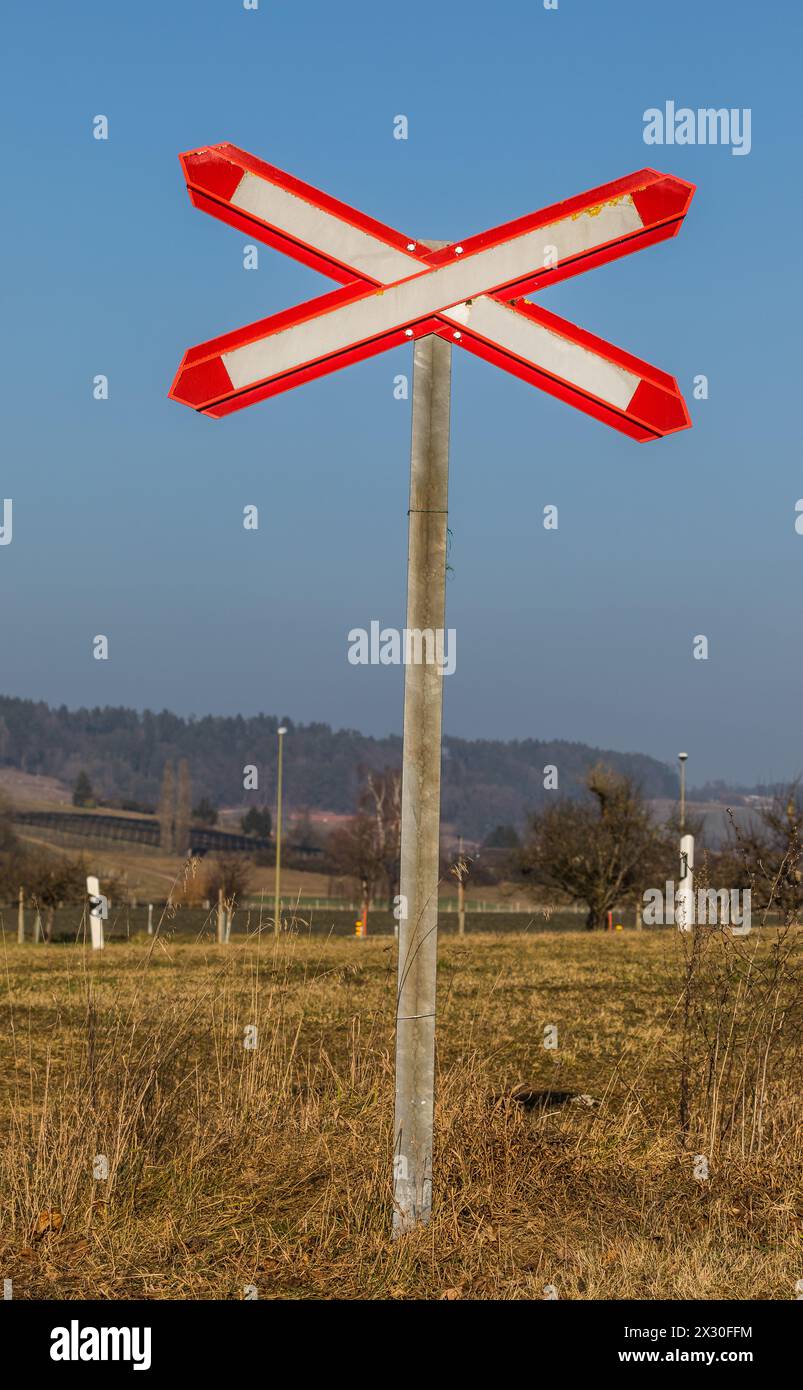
{"points": [[682, 757], [421, 787], [682, 760]]}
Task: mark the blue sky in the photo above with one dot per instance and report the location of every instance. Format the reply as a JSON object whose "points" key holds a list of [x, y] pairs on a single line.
{"points": [[128, 512]]}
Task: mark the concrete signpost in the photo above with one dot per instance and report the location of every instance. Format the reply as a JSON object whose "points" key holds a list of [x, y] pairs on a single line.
{"points": [[395, 289]]}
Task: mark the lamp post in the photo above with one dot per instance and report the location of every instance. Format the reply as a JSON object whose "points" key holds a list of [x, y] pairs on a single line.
{"points": [[682, 760], [277, 904]]}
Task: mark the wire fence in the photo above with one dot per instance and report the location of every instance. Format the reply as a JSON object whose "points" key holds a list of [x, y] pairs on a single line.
{"points": [[125, 922]]}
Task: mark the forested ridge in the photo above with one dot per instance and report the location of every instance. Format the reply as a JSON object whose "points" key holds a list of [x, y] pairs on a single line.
{"points": [[123, 751]]}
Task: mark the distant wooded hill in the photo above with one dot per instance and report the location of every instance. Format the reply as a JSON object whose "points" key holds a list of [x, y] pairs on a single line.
{"points": [[485, 782]]}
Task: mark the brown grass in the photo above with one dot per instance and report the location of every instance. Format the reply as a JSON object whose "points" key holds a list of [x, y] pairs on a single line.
{"points": [[271, 1167]]}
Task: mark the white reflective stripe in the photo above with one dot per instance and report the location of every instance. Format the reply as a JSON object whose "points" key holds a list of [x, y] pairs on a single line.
{"points": [[585, 231], [548, 350], [384, 311], [316, 227]]}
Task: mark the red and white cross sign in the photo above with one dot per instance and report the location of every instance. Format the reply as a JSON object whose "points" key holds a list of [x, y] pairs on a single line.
{"points": [[394, 289]]}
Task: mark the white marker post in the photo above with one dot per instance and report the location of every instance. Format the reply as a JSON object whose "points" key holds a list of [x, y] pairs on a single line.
{"points": [[97, 911], [684, 898]]}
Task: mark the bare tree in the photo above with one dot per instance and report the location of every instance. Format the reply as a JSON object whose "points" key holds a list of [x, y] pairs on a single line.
{"points": [[167, 810], [183, 809], [11, 854], [369, 847], [767, 855], [599, 851], [232, 873], [51, 880], [380, 802], [352, 852]]}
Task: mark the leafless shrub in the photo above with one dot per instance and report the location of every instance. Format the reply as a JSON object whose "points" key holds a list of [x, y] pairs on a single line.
{"points": [[741, 1052]]}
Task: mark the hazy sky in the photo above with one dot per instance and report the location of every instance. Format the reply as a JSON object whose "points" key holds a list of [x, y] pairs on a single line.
{"points": [[127, 513]]}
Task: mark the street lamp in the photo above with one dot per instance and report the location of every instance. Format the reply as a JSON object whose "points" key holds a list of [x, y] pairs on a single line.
{"points": [[277, 905], [682, 760]]}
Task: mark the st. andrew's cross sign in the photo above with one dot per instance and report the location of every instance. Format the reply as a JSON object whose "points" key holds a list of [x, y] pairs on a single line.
{"points": [[394, 289], [470, 292]]}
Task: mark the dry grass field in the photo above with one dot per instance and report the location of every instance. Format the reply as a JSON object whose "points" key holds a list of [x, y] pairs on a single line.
{"points": [[575, 1167]]}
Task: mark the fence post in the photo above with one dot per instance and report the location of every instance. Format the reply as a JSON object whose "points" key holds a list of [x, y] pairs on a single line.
{"points": [[221, 918], [21, 916]]}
